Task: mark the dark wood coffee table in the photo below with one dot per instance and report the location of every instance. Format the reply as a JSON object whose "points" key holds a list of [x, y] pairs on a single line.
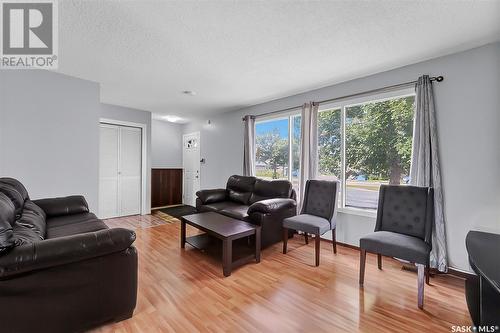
{"points": [[226, 230]]}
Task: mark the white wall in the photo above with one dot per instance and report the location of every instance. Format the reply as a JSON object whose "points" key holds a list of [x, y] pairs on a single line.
{"points": [[468, 108], [166, 144], [49, 133]]}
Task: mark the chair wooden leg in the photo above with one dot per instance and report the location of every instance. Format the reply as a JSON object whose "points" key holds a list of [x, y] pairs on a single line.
{"points": [[420, 273], [317, 240], [334, 241], [362, 260], [306, 238], [285, 239], [379, 261], [428, 272]]}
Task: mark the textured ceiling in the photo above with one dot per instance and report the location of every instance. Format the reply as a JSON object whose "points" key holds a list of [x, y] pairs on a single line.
{"points": [[239, 53]]}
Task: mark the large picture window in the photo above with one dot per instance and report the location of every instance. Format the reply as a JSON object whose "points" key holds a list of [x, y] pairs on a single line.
{"points": [[277, 146], [363, 143]]}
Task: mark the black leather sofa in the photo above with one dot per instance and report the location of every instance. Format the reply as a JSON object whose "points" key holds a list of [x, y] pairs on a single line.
{"points": [[258, 201], [61, 268]]}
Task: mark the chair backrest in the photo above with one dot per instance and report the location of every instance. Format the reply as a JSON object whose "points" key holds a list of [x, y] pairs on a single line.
{"points": [[320, 199], [407, 210]]}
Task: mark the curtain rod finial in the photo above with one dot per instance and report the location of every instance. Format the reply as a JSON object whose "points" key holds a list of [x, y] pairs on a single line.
{"points": [[439, 78]]}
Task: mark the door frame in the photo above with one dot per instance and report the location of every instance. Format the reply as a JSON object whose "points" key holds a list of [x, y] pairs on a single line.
{"points": [[144, 147], [197, 133]]}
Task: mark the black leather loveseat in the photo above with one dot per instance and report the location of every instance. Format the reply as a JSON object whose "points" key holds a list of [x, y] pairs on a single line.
{"points": [[61, 268], [258, 201]]}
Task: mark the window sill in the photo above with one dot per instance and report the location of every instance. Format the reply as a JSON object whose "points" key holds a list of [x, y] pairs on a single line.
{"points": [[359, 211]]}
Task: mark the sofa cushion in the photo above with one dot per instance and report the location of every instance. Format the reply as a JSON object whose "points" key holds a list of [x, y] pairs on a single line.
{"points": [[31, 226], [217, 206], [33, 217], [396, 245], [270, 189], [17, 185], [14, 195], [7, 218], [25, 234], [239, 212], [240, 188], [61, 226], [73, 204], [210, 196]]}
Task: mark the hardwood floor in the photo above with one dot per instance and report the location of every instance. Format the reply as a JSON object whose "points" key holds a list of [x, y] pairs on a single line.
{"points": [[185, 291], [137, 222]]}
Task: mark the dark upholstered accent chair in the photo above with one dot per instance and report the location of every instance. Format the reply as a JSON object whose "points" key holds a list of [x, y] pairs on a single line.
{"points": [[403, 230], [318, 213]]}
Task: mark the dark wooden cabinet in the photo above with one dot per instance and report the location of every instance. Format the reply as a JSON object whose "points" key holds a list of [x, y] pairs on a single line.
{"points": [[483, 290], [166, 187]]}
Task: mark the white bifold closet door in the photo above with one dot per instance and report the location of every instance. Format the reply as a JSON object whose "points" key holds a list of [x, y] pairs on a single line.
{"points": [[120, 171]]}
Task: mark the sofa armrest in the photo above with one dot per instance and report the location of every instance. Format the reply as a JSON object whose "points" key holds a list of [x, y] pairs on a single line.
{"points": [[64, 250], [210, 196], [270, 206], [73, 204]]}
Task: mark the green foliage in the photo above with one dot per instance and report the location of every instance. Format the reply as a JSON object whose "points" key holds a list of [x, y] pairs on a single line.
{"points": [[378, 142], [329, 142], [267, 173], [272, 150], [379, 139]]}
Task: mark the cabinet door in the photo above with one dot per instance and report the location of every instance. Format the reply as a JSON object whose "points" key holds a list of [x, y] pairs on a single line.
{"points": [[166, 187], [156, 188]]}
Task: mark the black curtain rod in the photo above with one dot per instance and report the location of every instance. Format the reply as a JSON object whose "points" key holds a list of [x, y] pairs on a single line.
{"points": [[369, 92]]}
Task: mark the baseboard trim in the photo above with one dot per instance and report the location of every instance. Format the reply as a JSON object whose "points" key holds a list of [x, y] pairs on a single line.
{"points": [[168, 206], [451, 271], [460, 273]]}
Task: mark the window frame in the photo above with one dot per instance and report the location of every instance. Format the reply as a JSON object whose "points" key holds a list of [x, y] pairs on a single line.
{"points": [[285, 115], [343, 105]]}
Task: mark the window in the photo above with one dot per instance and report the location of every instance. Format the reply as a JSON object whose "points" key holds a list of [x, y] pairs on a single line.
{"points": [[366, 143], [330, 143], [277, 146], [363, 143]]}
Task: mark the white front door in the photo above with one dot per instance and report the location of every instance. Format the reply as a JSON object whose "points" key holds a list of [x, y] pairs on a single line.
{"points": [[191, 167], [120, 171]]}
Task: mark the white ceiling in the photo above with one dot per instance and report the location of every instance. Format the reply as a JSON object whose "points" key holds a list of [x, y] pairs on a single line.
{"points": [[239, 53]]}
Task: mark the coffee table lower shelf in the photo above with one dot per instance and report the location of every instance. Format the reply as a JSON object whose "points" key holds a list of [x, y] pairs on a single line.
{"points": [[243, 252]]}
